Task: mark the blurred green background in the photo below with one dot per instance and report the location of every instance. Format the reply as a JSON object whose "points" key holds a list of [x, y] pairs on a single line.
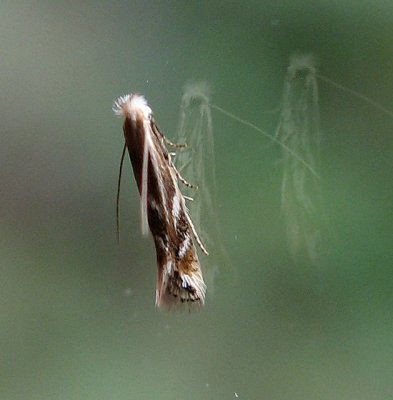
{"points": [[77, 315]]}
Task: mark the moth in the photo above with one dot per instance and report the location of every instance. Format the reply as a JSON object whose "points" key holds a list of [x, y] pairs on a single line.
{"points": [[163, 208]]}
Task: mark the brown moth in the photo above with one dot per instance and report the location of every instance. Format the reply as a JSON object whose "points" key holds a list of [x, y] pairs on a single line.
{"points": [[179, 275]]}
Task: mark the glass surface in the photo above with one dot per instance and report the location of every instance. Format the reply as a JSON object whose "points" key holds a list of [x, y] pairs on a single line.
{"points": [[77, 314]]}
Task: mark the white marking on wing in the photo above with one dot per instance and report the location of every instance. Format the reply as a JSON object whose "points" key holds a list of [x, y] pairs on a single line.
{"points": [[195, 281], [175, 209], [157, 170], [184, 247], [144, 184]]}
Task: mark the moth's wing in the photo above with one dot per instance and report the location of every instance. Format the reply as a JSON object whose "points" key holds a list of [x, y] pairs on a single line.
{"points": [[145, 180]]}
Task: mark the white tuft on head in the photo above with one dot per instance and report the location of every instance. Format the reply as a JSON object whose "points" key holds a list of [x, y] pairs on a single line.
{"points": [[130, 105], [299, 61], [196, 92]]}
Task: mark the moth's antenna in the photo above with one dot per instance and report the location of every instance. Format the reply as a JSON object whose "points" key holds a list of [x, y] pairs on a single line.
{"points": [[357, 94], [272, 138], [118, 194]]}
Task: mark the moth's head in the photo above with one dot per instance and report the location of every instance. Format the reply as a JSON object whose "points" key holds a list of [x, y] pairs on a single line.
{"points": [[302, 65], [132, 105]]}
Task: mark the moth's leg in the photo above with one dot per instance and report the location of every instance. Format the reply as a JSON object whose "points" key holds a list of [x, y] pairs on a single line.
{"points": [[166, 140], [181, 179], [196, 236], [176, 145]]}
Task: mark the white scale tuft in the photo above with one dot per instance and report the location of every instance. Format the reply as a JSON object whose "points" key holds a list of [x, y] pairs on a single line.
{"points": [[130, 105]]}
